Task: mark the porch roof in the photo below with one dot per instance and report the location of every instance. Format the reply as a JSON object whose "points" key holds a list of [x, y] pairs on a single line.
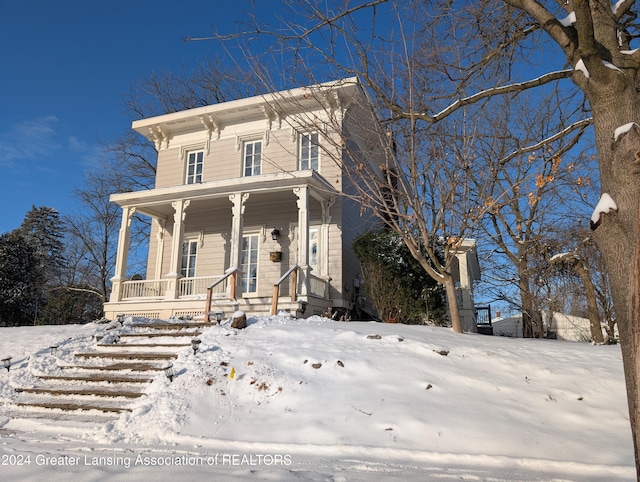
{"points": [[151, 202]]}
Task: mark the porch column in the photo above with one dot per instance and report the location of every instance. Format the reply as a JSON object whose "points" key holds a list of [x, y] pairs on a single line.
{"points": [[303, 237], [176, 247], [324, 239], [161, 226], [235, 259], [122, 254]]}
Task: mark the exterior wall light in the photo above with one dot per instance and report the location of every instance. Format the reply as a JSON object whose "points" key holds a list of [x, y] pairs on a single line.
{"points": [[275, 234]]}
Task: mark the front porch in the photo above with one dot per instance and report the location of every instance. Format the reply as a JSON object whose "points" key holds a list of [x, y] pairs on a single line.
{"points": [[237, 244], [200, 296]]}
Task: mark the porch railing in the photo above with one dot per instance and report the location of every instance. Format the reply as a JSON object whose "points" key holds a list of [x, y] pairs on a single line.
{"points": [[293, 272], [318, 287], [227, 280], [150, 289], [200, 284]]}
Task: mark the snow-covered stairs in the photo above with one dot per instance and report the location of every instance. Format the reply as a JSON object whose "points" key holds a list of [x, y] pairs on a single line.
{"points": [[107, 380]]}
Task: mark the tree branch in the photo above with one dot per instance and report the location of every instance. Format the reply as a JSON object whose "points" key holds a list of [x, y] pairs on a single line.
{"points": [[484, 94]]}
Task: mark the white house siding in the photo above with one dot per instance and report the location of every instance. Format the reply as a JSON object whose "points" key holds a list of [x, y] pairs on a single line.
{"points": [[564, 327], [169, 168], [511, 326], [261, 216], [224, 160], [220, 131]]}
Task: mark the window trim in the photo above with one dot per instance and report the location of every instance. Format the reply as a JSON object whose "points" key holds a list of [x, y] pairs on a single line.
{"points": [[252, 142], [187, 157], [184, 270], [245, 275], [309, 135]]}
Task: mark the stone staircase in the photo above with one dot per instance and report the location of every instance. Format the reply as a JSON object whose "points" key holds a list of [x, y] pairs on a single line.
{"points": [[104, 382]]}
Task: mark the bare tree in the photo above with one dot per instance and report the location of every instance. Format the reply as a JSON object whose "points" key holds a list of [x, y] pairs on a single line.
{"points": [[96, 226], [577, 263], [426, 62]]}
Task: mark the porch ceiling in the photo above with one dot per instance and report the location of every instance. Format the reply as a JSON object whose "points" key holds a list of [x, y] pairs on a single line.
{"points": [[271, 187]]}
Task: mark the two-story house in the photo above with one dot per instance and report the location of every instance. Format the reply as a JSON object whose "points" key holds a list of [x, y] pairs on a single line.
{"points": [[249, 193]]}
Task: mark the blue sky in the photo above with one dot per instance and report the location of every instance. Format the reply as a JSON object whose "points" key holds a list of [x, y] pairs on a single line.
{"points": [[64, 67]]}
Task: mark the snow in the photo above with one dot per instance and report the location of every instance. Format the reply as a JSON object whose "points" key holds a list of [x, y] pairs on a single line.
{"points": [[568, 20], [604, 206], [623, 130], [318, 400], [610, 65], [582, 68], [559, 256], [615, 6]]}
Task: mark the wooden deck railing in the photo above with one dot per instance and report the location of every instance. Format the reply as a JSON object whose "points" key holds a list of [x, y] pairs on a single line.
{"points": [[199, 285], [230, 275], [318, 287], [139, 289], [293, 272]]}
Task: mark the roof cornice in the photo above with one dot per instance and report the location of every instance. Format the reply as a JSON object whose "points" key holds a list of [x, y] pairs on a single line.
{"points": [[273, 108]]}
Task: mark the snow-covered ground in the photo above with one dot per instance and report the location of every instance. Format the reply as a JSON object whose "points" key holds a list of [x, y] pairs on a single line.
{"points": [[321, 400]]}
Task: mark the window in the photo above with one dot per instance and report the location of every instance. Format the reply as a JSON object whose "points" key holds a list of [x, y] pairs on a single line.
{"points": [[250, 263], [313, 248], [252, 158], [309, 151], [189, 251], [194, 167]]}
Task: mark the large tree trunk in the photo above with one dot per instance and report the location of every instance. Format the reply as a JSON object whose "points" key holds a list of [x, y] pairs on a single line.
{"points": [[618, 235], [592, 302], [528, 305], [452, 301]]}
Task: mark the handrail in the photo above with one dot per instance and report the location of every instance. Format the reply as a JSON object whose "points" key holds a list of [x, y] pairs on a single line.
{"points": [[231, 272], [293, 272]]}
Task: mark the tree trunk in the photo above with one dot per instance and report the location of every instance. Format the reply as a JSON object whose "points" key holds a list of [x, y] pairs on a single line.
{"points": [[452, 302], [592, 302], [618, 235], [528, 306]]}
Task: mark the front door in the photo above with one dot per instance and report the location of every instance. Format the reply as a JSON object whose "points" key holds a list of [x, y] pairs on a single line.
{"points": [[250, 263]]}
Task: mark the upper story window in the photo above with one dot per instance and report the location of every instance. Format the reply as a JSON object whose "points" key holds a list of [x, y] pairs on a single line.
{"points": [[195, 161], [308, 151], [252, 158]]}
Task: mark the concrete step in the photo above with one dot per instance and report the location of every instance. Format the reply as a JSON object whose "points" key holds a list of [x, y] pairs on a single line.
{"points": [[174, 334], [31, 418], [172, 326], [160, 334], [128, 355], [69, 406], [82, 391], [103, 382], [134, 367], [143, 345], [97, 378]]}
